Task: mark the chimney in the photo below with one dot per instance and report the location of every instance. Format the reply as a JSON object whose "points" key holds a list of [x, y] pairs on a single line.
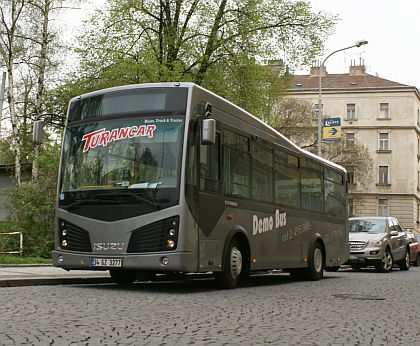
{"points": [[357, 70], [316, 69]]}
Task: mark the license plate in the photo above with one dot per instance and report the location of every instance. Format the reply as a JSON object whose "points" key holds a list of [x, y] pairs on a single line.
{"points": [[106, 262], [353, 257]]}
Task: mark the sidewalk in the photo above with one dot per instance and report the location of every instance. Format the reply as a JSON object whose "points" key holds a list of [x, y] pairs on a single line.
{"points": [[31, 275]]}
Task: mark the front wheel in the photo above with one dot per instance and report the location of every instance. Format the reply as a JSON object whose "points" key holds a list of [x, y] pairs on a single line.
{"points": [[405, 263], [386, 263], [123, 276], [229, 277]]}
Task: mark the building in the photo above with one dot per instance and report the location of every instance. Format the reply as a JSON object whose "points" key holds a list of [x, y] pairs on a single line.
{"points": [[383, 116]]}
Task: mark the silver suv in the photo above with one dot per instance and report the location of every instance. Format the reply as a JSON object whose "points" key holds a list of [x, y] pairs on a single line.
{"points": [[378, 241]]}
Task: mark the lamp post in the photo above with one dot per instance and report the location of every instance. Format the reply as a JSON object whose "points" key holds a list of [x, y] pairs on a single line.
{"points": [[320, 110]]}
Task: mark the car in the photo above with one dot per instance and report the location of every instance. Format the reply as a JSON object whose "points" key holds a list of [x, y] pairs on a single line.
{"points": [[378, 241], [414, 243]]}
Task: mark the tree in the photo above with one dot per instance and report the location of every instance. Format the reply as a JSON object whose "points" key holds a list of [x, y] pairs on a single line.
{"points": [[296, 119], [217, 44]]}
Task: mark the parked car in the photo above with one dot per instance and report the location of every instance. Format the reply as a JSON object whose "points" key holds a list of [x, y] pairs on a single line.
{"points": [[378, 241], [413, 240]]}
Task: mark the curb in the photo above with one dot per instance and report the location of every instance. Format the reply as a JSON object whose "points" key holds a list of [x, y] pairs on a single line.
{"points": [[42, 281]]}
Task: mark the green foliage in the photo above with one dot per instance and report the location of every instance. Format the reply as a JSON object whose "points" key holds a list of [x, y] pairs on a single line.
{"points": [[32, 206], [6, 260], [221, 45]]}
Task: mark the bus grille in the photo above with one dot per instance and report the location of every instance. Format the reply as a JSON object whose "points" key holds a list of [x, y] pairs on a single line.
{"points": [[77, 238], [155, 237], [357, 245]]}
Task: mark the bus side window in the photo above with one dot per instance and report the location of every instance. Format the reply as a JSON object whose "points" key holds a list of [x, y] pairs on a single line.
{"points": [[262, 170], [286, 179], [334, 192], [210, 166], [236, 165], [312, 192]]}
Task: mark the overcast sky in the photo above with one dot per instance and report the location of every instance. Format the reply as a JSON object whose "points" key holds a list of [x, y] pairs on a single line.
{"points": [[392, 29]]}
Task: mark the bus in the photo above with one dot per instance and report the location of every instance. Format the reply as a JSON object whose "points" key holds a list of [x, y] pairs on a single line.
{"points": [[171, 178]]}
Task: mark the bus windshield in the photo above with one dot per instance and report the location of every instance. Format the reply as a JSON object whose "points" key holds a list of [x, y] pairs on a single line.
{"points": [[130, 162]]}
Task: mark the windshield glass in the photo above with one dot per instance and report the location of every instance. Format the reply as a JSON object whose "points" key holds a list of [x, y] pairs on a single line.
{"points": [[121, 162], [368, 225]]}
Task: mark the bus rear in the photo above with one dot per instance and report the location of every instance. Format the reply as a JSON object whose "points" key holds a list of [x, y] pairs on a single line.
{"points": [[119, 191]]}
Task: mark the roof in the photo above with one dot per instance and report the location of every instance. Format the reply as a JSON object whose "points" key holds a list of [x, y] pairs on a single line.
{"points": [[343, 81]]}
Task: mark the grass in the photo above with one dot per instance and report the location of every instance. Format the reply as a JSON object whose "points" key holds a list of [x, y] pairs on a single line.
{"points": [[17, 260]]}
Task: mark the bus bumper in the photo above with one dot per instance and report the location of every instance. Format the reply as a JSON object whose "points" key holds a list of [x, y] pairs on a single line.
{"points": [[171, 261]]}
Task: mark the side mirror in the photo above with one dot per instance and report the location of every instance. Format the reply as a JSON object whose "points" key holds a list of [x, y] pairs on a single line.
{"points": [[38, 132], [393, 233], [208, 132]]}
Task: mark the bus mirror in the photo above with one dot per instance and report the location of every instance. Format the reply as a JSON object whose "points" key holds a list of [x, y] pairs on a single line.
{"points": [[208, 131], [38, 132]]}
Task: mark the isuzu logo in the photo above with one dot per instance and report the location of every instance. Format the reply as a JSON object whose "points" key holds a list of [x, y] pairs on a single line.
{"points": [[109, 246]]}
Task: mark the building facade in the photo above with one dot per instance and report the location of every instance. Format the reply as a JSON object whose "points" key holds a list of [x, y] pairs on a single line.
{"points": [[383, 116]]}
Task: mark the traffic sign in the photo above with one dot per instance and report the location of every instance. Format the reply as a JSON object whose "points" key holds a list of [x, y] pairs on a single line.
{"points": [[332, 129]]}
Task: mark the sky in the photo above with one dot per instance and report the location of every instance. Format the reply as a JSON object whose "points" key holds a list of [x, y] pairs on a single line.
{"points": [[392, 29]]}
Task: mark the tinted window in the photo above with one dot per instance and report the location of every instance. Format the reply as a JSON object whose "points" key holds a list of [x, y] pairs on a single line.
{"points": [[286, 179], [311, 183], [130, 101], [262, 170]]}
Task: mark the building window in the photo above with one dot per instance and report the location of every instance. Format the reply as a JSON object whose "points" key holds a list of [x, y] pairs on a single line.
{"points": [[383, 175], [350, 140], [350, 207], [351, 111], [350, 175], [384, 110], [384, 141], [382, 207], [287, 113]]}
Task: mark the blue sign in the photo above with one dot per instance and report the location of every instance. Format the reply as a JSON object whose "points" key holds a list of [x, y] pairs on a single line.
{"points": [[328, 122]]}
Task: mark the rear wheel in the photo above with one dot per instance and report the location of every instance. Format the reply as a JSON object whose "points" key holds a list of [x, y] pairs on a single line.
{"points": [[315, 270], [405, 263], [416, 263], [385, 265], [229, 277], [123, 276]]}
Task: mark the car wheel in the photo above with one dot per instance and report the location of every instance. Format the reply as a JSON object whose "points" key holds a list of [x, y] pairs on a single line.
{"points": [[229, 277], [417, 261], [123, 276], [405, 263], [385, 265]]}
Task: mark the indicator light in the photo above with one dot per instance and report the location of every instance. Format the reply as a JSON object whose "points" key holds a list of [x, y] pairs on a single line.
{"points": [[170, 244], [172, 232], [64, 243]]}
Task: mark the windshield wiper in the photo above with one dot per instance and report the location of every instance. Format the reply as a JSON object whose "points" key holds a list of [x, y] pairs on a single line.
{"points": [[132, 194], [87, 201]]}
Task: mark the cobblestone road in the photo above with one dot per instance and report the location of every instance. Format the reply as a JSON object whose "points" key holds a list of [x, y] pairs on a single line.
{"points": [[346, 308]]}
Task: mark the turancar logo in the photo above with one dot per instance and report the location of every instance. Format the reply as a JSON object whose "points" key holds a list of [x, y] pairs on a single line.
{"points": [[269, 223]]}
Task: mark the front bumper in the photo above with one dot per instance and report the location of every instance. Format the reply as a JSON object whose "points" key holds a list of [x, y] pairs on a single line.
{"points": [[176, 261], [367, 256]]}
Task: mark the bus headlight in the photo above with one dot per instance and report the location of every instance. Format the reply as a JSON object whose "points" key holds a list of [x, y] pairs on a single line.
{"points": [[170, 244]]}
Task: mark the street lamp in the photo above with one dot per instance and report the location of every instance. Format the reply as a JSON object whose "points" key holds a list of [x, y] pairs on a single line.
{"points": [[358, 44]]}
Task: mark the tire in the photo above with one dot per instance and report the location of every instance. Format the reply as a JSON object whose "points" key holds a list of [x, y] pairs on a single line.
{"points": [[315, 270], [385, 265], [229, 277], [123, 276], [416, 263], [405, 263], [332, 269]]}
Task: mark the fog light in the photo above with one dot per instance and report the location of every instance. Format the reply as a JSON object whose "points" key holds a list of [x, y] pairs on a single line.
{"points": [[165, 261], [64, 243], [170, 244], [60, 259], [64, 232], [172, 232]]}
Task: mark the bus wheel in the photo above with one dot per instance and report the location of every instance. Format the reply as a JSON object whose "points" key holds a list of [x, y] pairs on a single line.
{"points": [[315, 270], [123, 276], [229, 277]]}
